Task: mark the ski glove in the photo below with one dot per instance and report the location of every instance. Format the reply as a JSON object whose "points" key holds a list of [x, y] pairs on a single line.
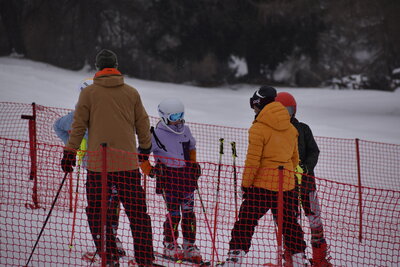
{"points": [[147, 169], [304, 167], [245, 192], [68, 161], [196, 170], [144, 153], [298, 174]]}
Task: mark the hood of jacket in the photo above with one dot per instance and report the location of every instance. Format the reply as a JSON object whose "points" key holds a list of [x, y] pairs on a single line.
{"points": [[275, 115]]}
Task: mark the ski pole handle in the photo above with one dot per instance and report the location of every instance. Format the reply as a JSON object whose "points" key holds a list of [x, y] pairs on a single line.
{"points": [[233, 144], [221, 146]]}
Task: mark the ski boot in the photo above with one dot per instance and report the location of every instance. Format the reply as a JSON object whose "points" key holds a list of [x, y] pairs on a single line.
{"points": [[320, 255], [192, 253], [235, 258], [113, 261], [294, 260], [172, 251], [120, 249]]}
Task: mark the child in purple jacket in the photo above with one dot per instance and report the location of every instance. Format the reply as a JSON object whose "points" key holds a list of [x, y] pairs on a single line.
{"points": [[174, 149]]}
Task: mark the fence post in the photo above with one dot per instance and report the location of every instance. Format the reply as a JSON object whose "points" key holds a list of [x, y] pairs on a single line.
{"points": [[359, 190], [33, 156], [280, 216], [214, 237], [104, 210]]}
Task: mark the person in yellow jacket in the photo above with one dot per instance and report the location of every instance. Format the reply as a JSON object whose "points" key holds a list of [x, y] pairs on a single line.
{"points": [[272, 143]]}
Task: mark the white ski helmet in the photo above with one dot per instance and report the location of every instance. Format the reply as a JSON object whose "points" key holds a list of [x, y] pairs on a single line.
{"points": [[171, 109], [85, 83]]}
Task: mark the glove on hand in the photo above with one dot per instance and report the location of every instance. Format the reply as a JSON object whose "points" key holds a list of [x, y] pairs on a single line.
{"points": [[244, 192], [304, 167], [151, 171], [196, 170], [146, 168], [68, 161], [144, 154]]}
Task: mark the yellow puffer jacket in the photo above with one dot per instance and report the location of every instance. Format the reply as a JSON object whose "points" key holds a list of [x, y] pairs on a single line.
{"points": [[272, 143], [113, 113]]}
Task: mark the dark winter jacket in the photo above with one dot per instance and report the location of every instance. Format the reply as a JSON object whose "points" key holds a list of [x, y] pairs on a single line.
{"points": [[113, 113], [308, 151]]}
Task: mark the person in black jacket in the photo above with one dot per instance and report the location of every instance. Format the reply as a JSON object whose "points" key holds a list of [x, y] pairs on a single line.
{"points": [[308, 153]]}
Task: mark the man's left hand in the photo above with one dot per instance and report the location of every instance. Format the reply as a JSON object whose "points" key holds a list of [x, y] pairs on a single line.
{"points": [[68, 161]]}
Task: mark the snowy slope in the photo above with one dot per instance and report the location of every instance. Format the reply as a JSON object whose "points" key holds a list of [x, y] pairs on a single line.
{"points": [[368, 114]]}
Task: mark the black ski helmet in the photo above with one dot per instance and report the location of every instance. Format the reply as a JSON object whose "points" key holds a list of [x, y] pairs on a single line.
{"points": [[263, 96]]}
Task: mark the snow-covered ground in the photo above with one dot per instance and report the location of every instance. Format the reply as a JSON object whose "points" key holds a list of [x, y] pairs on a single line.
{"points": [[365, 114]]}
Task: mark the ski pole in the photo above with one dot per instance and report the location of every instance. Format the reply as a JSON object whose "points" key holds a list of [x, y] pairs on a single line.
{"points": [[205, 215], [221, 152], [234, 156], [78, 169], [47, 218]]}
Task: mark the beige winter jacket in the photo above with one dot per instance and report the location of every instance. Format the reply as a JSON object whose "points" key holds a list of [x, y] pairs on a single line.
{"points": [[113, 113]]}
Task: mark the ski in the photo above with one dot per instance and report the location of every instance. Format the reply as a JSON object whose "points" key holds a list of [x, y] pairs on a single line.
{"points": [[183, 261], [132, 262], [91, 257]]}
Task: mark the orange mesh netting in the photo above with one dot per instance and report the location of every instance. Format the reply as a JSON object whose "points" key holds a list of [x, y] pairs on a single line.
{"points": [[357, 184]]}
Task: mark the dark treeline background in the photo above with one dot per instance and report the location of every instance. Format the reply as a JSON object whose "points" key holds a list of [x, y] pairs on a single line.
{"points": [[287, 42]]}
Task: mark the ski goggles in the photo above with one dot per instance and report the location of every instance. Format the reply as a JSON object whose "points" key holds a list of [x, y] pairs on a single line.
{"points": [[254, 102], [291, 110], [176, 116]]}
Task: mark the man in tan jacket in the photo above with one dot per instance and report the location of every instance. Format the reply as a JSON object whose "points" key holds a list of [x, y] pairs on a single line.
{"points": [[113, 114], [272, 143]]}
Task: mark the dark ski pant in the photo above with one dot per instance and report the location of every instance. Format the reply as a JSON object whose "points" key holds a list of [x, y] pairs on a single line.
{"points": [[256, 204], [177, 186], [178, 202], [131, 194]]}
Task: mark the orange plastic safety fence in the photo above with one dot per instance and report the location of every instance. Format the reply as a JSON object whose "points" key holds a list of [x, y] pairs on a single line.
{"points": [[358, 195]]}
